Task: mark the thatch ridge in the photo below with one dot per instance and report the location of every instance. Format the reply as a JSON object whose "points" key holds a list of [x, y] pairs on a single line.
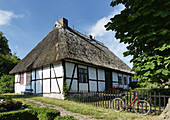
{"points": [[62, 43]]}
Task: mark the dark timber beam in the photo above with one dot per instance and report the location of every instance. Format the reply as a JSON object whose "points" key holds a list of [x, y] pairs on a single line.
{"points": [[50, 78], [72, 76], [97, 79], [56, 78], [88, 78], [35, 82], [42, 80]]}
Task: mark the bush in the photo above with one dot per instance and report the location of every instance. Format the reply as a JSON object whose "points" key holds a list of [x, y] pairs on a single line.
{"points": [[68, 117], [32, 114], [11, 105], [7, 84], [162, 91]]}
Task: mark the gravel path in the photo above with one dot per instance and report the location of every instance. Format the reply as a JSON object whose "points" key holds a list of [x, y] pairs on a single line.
{"points": [[63, 112]]}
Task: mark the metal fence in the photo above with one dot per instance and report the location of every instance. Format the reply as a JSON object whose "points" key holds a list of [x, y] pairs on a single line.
{"points": [[157, 101]]}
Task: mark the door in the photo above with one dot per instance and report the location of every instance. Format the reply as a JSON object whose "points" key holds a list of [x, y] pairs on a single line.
{"points": [[108, 77]]}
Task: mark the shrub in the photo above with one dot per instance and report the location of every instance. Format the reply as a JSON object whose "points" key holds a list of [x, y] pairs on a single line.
{"points": [[32, 114], [12, 105], [68, 117], [7, 84]]}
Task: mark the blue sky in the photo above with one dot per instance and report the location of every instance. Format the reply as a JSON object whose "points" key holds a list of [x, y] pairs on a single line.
{"points": [[26, 22]]}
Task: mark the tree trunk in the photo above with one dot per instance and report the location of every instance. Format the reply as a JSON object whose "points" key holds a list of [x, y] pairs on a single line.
{"points": [[166, 113]]}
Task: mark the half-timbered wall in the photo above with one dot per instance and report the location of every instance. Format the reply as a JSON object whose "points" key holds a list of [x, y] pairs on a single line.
{"points": [[46, 81], [96, 78]]}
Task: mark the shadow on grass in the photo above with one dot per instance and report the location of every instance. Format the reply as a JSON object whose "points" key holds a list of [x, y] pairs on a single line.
{"points": [[13, 95]]}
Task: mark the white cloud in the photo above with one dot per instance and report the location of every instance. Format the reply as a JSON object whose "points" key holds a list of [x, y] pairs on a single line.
{"points": [[108, 37], [6, 16]]}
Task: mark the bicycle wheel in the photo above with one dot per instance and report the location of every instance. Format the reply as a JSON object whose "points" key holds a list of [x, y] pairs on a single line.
{"points": [[117, 104], [141, 107]]}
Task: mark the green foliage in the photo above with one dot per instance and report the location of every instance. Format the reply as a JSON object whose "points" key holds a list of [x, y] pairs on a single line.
{"points": [[162, 91], [66, 88], [144, 26], [32, 114], [7, 84], [4, 48], [68, 117], [7, 60], [8, 97]]}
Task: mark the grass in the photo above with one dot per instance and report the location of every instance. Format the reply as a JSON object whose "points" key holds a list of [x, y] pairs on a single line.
{"points": [[96, 112]]}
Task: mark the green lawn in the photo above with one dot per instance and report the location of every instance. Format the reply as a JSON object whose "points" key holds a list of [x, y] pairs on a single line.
{"points": [[96, 112]]}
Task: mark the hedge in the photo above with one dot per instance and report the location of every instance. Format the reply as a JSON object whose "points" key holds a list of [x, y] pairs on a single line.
{"points": [[68, 117], [162, 91], [32, 114]]}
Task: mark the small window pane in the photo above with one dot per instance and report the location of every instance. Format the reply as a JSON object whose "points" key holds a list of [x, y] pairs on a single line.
{"points": [[80, 78], [85, 78]]}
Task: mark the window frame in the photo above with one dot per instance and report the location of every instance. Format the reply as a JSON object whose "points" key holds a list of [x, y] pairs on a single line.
{"points": [[28, 78], [120, 80], [84, 74], [125, 80], [21, 78]]}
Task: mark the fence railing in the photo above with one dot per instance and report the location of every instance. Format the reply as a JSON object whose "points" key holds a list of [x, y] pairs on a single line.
{"points": [[157, 101]]}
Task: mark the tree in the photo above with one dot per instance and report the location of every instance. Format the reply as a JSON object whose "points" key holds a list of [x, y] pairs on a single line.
{"points": [[4, 48], [7, 60], [144, 26]]}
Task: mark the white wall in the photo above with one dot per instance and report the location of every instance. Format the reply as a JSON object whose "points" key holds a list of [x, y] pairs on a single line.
{"points": [[45, 83]]}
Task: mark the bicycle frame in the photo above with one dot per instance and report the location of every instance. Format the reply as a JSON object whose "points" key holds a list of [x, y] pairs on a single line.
{"points": [[136, 98]]}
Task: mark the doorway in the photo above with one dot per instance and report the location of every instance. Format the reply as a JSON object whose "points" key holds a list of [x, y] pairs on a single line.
{"points": [[108, 77]]}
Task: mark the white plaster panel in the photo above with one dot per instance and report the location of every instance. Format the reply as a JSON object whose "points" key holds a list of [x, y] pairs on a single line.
{"points": [[46, 72], [39, 86], [17, 77], [101, 86], [60, 81], [38, 73], [83, 87], [74, 85], [33, 86], [69, 70], [46, 86], [92, 73], [25, 78], [101, 74], [54, 87], [58, 70], [93, 86], [33, 75]]}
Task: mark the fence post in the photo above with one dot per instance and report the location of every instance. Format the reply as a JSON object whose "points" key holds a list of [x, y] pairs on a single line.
{"points": [[155, 101], [159, 103]]}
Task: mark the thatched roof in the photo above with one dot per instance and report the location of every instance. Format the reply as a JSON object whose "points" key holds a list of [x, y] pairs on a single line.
{"points": [[66, 43]]}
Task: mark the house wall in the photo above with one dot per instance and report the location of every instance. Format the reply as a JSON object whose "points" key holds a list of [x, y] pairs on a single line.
{"points": [[96, 78], [46, 81]]}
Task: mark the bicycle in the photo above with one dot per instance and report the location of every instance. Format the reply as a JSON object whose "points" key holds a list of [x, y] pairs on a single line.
{"points": [[141, 107]]}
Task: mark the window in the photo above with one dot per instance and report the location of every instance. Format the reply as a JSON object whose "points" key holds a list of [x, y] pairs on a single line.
{"points": [[125, 81], [22, 78], [82, 72], [28, 78], [130, 80], [120, 80]]}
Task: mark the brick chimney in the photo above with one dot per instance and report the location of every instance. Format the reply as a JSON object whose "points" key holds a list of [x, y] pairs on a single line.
{"points": [[64, 22], [90, 36]]}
